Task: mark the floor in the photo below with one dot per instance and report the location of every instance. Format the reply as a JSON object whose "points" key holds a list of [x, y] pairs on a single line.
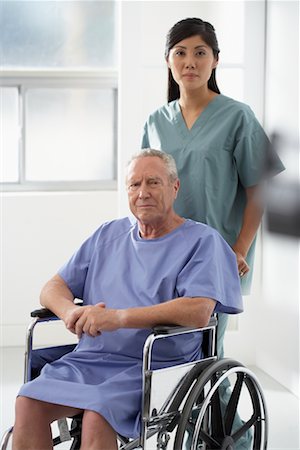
{"points": [[283, 407]]}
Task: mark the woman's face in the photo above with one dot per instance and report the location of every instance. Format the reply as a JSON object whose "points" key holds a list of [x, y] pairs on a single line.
{"points": [[191, 62]]}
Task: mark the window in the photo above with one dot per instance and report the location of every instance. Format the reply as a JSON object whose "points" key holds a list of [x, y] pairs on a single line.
{"points": [[58, 95]]}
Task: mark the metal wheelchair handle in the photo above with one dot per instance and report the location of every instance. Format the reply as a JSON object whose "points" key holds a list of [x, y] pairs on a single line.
{"points": [[178, 329]]}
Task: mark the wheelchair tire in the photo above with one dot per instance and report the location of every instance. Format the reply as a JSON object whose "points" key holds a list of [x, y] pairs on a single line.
{"points": [[6, 439], [207, 423]]}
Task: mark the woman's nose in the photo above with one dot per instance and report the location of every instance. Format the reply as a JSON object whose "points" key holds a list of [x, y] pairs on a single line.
{"points": [[190, 65], [190, 62]]}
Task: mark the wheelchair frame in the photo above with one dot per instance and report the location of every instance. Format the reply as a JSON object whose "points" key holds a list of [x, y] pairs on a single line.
{"points": [[209, 427]]}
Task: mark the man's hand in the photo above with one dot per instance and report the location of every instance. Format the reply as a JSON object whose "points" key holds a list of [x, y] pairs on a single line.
{"points": [[71, 316], [91, 320]]}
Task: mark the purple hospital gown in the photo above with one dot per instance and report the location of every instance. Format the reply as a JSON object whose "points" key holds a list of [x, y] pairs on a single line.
{"points": [[117, 267]]}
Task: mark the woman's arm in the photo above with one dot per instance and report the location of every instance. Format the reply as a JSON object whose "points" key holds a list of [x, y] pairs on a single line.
{"points": [[251, 221]]}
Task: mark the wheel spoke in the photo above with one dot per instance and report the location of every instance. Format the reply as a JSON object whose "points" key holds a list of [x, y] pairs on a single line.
{"points": [[257, 435], [209, 440], [212, 421], [232, 404], [244, 428], [216, 417]]}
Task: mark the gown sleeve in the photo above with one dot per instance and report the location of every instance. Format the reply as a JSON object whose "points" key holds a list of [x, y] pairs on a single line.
{"points": [[212, 272], [74, 272]]}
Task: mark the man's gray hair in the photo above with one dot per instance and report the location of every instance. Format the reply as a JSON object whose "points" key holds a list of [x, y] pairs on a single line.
{"points": [[167, 159]]}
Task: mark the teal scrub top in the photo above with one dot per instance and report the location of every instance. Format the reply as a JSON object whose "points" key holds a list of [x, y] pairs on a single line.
{"points": [[223, 153]]}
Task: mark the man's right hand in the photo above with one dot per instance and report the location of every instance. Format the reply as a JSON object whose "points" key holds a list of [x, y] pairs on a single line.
{"points": [[71, 316]]}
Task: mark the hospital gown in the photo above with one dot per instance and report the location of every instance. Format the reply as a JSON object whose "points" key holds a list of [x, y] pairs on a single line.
{"points": [[117, 267], [225, 152]]}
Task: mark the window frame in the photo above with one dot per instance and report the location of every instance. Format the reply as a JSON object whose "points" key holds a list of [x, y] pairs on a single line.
{"points": [[23, 80]]}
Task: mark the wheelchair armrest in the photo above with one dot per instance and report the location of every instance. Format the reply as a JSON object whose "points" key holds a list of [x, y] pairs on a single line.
{"points": [[177, 329], [170, 329], [44, 313]]}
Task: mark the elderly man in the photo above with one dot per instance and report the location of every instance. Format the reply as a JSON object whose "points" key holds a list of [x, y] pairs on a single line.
{"points": [[132, 274]]}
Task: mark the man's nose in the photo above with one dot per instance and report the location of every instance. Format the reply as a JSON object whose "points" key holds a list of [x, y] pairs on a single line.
{"points": [[143, 191]]}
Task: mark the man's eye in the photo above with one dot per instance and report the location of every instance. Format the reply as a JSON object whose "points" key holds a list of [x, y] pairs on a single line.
{"points": [[153, 183], [133, 186]]}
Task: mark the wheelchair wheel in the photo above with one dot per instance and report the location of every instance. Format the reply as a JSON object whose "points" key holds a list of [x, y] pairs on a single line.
{"points": [[224, 410], [6, 439]]}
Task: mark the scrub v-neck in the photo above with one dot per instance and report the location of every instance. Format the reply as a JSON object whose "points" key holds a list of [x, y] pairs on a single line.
{"points": [[201, 120]]}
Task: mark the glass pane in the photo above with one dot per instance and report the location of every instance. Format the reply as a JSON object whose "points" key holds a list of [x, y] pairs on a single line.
{"points": [[57, 34], [9, 132], [69, 134]]}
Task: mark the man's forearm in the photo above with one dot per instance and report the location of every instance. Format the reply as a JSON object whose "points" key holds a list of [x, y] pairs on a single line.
{"points": [[194, 312], [182, 311], [57, 297]]}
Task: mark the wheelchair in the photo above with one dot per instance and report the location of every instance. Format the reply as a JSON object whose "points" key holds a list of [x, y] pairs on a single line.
{"points": [[182, 407]]}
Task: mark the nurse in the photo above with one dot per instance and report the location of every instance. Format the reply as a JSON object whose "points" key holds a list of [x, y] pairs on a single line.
{"points": [[132, 273], [220, 149]]}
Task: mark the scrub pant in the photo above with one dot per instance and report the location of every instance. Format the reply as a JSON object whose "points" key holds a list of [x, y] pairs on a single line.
{"points": [[244, 443]]}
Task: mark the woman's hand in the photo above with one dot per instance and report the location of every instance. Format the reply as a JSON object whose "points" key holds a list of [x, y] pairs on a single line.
{"points": [[251, 220], [243, 267]]}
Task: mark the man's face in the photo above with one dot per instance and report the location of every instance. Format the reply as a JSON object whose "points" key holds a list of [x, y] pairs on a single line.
{"points": [[151, 194]]}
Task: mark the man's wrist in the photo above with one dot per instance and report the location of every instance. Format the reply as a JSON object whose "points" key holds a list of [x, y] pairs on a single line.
{"points": [[66, 310], [122, 317]]}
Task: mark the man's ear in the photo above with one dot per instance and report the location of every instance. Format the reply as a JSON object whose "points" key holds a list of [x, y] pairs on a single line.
{"points": [[176, 187]]}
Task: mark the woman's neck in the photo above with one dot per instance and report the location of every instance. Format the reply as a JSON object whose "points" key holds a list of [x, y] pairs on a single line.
{"points": [[193, 101], [192, 105]]}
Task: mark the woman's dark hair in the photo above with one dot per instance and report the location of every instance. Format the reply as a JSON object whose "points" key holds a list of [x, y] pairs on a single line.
{"points": [[182, 30]]}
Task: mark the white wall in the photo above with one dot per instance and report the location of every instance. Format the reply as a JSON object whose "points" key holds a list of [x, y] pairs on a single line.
{"points": [[278, 323], [40, 231]]}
